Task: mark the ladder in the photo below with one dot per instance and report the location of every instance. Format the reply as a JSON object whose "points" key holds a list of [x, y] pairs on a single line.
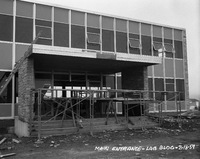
{"points": [[17, 65]]}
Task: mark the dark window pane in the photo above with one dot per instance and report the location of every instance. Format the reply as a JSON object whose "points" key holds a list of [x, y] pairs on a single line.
{"points": [[43, 23], [107, 40], [45, 31], [109, 81], [159, 84], [169, 41], [119, 83], [44, 41], [170, 96], [6, 96], [24, 30], [157, 39], [6, 27], [146, 45], [61, 34], [159, 96], [180, 87], [93, 30], [121, 42], [169, 81], [169, 87], [150, 84], [178, 49], [93, 38], [135, 36], [78, 36]]}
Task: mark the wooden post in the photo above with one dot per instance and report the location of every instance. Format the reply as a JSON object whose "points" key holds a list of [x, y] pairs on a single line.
{"points": [[39, 115]]}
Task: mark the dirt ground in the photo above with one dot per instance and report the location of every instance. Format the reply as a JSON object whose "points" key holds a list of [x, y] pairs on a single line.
{"points": [[167, 142]]}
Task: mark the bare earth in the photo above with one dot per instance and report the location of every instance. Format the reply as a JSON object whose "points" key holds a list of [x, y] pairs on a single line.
{"points": [[157, 143]]}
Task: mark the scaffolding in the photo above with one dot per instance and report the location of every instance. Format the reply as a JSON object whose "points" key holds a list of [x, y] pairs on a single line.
{"points": [[61, 105]]}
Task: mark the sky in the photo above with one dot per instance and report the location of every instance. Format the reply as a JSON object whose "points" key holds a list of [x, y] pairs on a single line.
{"points": [[177, 13]]}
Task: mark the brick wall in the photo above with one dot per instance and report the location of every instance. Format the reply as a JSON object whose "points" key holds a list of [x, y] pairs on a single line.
{"points": [[135, 78], [26, 83]]}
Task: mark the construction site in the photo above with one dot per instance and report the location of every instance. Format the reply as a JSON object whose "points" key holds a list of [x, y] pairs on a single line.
{"points": [[65, 71]]}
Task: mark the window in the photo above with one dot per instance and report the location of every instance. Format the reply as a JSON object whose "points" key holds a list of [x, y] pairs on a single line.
{"points": [[150, 85], [77, 36], [6, 96], [6, 25], [121, 42], [45, 28], [180, 87], [159, 86], [61, 34], [169, 48], [146, 45], [170, 89], [93, 38], [134, 43], [157, 45], [24, 30], [107, 40], [178, 49]]}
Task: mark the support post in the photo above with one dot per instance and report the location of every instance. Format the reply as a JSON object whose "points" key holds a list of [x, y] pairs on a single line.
{"points": [[39, 115]]}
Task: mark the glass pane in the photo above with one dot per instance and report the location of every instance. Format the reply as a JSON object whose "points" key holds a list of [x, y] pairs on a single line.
{"points": [[134, 43], [61, 34], [93, 38], [157, 45], [146, 45], [107, 40], [6, 28], [45, 31], [169, 47], [121, 42], [78, 36], [178, 49], [24, 30]]}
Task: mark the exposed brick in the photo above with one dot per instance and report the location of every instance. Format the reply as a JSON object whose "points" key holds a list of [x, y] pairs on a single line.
{"points": [[135, 78], [26, 83]]}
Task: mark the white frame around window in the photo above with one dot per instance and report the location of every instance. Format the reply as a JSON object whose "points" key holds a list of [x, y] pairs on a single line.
{"points": [[134, 40], [46, 27], [93, 42]]}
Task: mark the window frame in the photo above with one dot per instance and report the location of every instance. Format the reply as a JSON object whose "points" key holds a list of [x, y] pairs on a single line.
{"points": [[134, 39], [91, 42]]}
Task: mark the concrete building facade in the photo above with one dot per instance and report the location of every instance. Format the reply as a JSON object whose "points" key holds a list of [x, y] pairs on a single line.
{"points": [[86, 50]]}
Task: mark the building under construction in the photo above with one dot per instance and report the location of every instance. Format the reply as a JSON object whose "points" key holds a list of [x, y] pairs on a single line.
{"points": [[64, 70]]}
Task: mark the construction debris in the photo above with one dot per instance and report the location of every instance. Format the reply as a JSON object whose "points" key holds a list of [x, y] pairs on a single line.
{"points": [[16, 141], [7, 155], [4, 139]]}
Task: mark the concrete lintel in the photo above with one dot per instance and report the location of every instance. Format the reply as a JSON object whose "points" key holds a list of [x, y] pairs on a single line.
{"points": [[82, 53]]}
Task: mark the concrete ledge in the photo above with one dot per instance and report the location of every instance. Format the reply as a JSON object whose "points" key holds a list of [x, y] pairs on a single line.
{"points": [[21, 128]]}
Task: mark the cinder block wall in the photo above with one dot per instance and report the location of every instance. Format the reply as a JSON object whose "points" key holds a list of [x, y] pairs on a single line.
{"points": [[25, 84], [135, 78]]}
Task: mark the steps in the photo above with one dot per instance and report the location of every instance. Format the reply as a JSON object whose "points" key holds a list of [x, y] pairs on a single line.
{"points": [[98, 125]]}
